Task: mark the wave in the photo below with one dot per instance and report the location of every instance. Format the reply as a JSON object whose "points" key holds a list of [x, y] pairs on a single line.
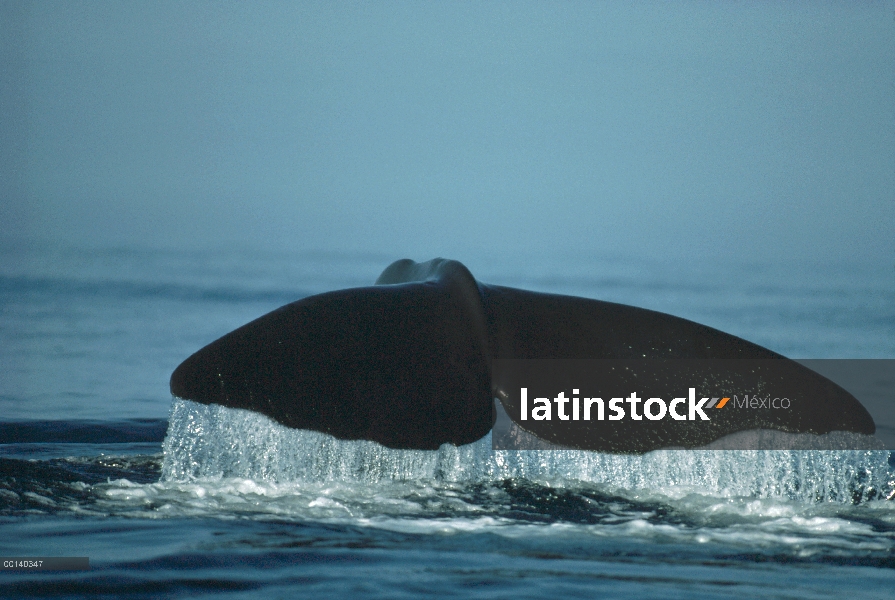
{"points": [[55, 286], [129, 431]]}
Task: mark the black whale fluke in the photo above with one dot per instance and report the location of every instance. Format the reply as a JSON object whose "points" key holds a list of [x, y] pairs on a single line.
{"points": [[407, 362]]}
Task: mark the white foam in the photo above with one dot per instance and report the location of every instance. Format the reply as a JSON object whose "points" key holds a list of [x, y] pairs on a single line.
{"points": [[210, 441]]}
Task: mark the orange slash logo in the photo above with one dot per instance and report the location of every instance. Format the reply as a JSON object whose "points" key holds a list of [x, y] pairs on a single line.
{"points": [[714, 401]]}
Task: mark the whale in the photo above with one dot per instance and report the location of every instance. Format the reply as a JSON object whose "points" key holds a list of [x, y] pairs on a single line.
{"points": [[417, 360]]}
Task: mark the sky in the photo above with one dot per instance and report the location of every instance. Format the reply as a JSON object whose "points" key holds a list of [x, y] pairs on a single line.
{"points": [[759, 131]]}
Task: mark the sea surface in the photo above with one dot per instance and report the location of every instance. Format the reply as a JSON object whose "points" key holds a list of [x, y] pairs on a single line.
{"points": [[169, 498]]}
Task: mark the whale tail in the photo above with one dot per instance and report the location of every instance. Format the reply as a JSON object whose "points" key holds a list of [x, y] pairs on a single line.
{"points": [[414, 361]]}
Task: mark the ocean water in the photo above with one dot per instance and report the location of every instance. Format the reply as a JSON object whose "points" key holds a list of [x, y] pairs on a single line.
{"points": [[169, 498]]}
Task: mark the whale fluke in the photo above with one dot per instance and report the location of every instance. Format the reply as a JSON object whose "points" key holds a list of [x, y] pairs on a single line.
{"points": [[407, 362]]}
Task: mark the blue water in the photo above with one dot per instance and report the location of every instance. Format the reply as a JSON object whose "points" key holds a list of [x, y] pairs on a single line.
{"points": [[172, 499]]}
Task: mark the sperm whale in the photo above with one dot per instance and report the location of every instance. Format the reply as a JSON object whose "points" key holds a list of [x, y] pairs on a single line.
{"points": [[415, 360]]}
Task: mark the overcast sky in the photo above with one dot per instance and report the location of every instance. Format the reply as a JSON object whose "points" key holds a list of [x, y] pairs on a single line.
{"points": [[756, 130]]}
